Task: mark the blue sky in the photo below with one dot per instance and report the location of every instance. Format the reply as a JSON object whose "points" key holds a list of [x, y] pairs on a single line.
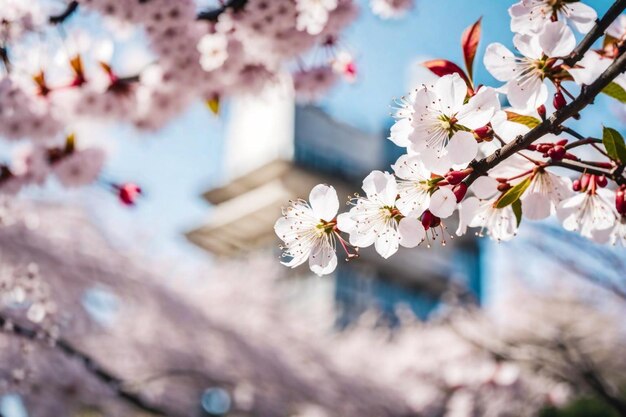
{"points": [[178, 163]]}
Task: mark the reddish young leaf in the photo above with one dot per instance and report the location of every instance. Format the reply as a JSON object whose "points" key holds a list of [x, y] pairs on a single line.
{"points": [[469, 43], [443, 67]]}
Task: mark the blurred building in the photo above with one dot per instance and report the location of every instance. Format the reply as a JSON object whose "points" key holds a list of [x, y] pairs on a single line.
{"points": [[277, 151]]}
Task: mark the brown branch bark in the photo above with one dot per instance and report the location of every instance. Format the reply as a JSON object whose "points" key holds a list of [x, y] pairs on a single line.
{"points": [[596, 32], [90, 364], [65, 14], [212, 15], [552, 124]]}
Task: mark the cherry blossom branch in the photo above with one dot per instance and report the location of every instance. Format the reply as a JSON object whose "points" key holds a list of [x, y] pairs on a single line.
{"points": [[65, 14], [579, 168], [212, 15], [586, 141], [596, 32], [90, 364], [553, 124]]}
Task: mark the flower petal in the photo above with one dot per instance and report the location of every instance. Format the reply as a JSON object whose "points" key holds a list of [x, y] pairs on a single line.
{"points": [[479, 109], [556, 39], [536, 206], [324, 202], [451, 91], [411, 232], [529, 94], [381, 186], [500, 62], [387, 242], [484, 187], [528, 45], [442, 203], [323, 259], [582, 16], [462, 148]]}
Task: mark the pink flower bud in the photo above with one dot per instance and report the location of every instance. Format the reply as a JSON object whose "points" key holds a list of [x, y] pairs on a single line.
{"points": [[576, 186], [559, 101], [128, 193]]}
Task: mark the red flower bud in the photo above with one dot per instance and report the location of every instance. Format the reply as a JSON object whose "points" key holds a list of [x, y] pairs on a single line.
{"points": [[128, 193], [544, 147], [557, 153], [427, 218], [430, 220], [601, 181], [503, 186], [455, 177], [559, 101], [576, 185], [484, 133], [542, 112], [620, 200], [460, 192], [562, 142]]}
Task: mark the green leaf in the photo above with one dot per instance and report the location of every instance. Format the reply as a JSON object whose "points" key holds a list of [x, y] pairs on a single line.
{"points": [[517, 210], [529, 121], [614, 144], [616, 91], [513, 194]]}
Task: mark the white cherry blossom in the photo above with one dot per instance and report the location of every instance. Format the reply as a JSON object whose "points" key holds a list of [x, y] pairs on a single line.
{"points": [[498, 223], [545, 193], [442, 118], [213, 48], [589, 68], [313, 14], [375, 219], [413, 185], [391, 9], [530, 16], [402, 129], [417, 192], [587, 212], [307, 230], [526, 76]]}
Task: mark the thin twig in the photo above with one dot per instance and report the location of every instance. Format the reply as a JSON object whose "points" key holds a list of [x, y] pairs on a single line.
{"points": [[579, 168], [596, 32], [212, 15], [65, 14], [90, 364]]}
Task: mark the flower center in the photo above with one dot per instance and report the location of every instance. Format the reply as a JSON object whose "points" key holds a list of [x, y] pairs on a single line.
{"points": [[326, 227]]}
